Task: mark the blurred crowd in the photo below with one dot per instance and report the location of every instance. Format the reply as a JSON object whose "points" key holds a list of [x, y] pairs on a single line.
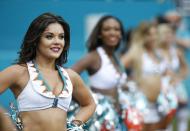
{"points": [[161, 47], [141, 85]]}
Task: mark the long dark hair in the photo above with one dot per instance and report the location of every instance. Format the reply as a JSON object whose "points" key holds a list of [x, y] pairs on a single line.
{"points": [[32, 37], [94, 41]]}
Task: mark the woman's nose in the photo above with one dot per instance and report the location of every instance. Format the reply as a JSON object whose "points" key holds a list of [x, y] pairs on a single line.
{"points": [[57, 40]]}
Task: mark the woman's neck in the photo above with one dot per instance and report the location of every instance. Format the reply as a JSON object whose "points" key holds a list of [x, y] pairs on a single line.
{"points": [[149, 50], [109, 50], [45, 63], [165, 46]]}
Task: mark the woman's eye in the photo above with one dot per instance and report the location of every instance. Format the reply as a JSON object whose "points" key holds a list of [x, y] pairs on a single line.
{"points": [[49, 37], [106, 29], [117, 29], [61, 37]]}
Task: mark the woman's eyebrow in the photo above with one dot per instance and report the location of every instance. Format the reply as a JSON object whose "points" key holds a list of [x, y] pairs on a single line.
{"points": [[62, 33]]}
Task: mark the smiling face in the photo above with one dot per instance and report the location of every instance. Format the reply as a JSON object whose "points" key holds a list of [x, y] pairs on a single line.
{"points": [[166, 35], [111, 32], [52, 42], [151, 37]]}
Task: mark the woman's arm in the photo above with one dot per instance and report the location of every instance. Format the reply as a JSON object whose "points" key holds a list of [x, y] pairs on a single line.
{"points": [[185, 43], [183, 71], [5, 122], [8, 77], [90, 63], [128, 59], [83, 96]]}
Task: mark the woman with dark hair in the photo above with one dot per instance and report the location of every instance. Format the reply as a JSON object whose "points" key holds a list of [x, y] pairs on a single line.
{"points": [[42, 87], [101, 63], [102, 45], [95, 39]]}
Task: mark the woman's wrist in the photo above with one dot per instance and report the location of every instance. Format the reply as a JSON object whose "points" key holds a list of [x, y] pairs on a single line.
{"points": [[77, 122]]}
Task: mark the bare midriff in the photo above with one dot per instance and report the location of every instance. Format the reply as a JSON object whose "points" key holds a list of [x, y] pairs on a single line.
{"points": [[52, 119], [150, 85]]}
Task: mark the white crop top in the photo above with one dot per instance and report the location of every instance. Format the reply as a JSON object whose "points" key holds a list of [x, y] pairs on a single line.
{"points": [[174, 63], [35, 95], [107, 76], [150, 67]]}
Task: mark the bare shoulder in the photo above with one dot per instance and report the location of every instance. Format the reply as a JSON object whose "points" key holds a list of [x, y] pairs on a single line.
{"points": [[93, 59], [74, 76], [16, 69], [91, 56], [88, 62], [12, 76], [131, 56], [13, 73]]}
